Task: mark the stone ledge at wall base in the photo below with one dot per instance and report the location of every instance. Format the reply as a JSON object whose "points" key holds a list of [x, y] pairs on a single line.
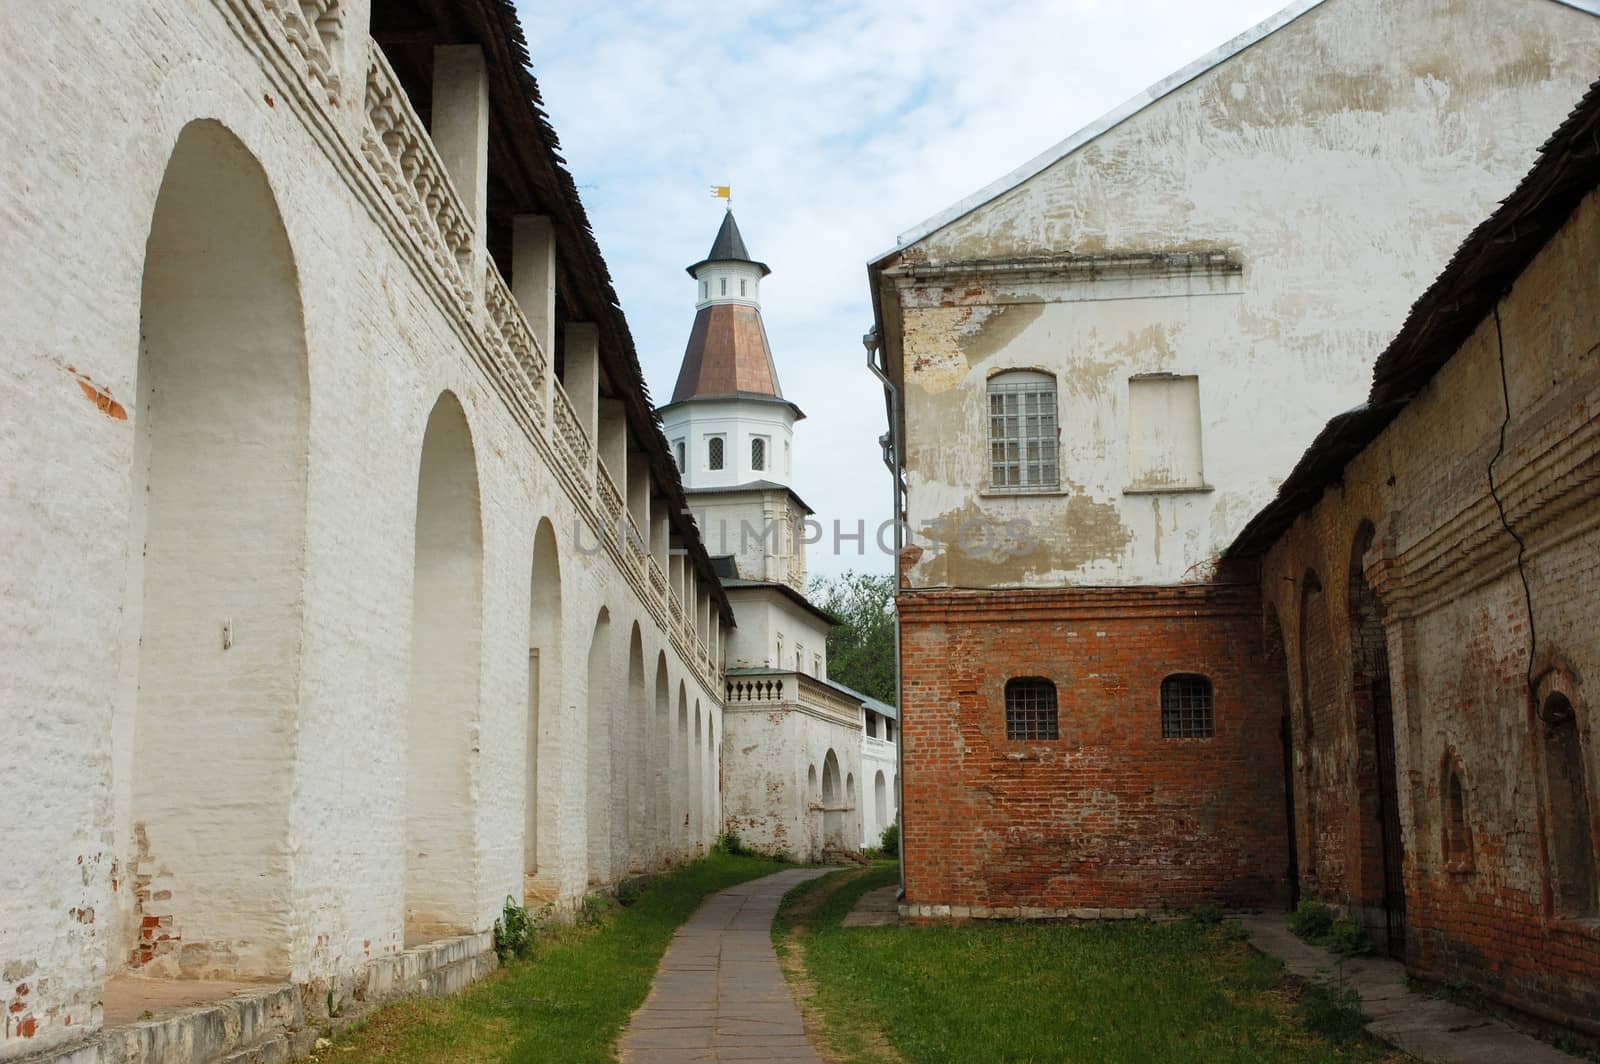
{"points": [[941, 913], [269, 1025]]}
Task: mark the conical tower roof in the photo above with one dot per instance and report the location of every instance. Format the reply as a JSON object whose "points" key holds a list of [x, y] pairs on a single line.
{"points": [[727, 353], [728, 247]]}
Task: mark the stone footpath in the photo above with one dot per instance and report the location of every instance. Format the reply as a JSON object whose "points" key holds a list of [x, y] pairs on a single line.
{"points": [[719, 994], [1426, 1027]]}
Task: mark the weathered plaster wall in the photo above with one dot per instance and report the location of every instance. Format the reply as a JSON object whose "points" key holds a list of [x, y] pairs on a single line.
{"points": [[101, 93], [770, 623], [777, 743], [1459, 640], [1339, 161]]}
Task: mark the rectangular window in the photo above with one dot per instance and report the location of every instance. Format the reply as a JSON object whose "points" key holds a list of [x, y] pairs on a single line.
{"points": [[1164, 433], [758, 453], [1022, 432], [872, 724], [1031, 709], [724, 286], [741, 286], [1186, 708], [714, 445]]}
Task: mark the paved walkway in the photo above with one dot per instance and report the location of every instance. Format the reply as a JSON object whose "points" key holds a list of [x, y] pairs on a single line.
{"points": [[877, 908], [1426, 1027], [719, 994]]}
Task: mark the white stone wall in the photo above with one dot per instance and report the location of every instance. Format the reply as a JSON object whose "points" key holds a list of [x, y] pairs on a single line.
{"points": [[1338, 162], [101, 92], [880, 805], [777, 743], [770, 624]]}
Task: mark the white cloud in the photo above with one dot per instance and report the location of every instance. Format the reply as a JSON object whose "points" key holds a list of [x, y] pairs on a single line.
{"points": [[839, 126]]}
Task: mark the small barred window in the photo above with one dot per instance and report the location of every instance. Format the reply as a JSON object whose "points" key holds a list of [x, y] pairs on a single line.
{"points": [[758, 453], [714, 452], [1186, 708], [1031, 709]]}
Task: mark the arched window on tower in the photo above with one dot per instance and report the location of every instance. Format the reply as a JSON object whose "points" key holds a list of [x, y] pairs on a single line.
{"points": [[758, 453], [714, 445]]}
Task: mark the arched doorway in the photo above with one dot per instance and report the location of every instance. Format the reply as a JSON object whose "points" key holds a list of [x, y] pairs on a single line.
{"points": [[213, 602], [635, 728], [1382, 854], [680, 772], [661, 759], [1322, 870], [544, 681], [697, 798], [598, 715], [446, 622], [833, 827]]}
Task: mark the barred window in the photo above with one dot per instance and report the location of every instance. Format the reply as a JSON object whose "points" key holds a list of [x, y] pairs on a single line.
{"points": [[1186, 708], [1022, 431], [758, 453], [1031, 709], [714, 451]]}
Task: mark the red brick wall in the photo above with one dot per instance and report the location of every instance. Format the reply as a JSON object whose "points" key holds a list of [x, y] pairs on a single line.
{"points": [[1110, 815], [1466, 629]]}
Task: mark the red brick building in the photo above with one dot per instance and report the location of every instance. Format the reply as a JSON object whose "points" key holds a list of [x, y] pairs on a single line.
{"points": [[1431, 571], [1096, 381], [1129, 688]]}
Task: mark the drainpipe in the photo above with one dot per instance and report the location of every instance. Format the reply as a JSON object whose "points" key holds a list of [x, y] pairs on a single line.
{"points": [[890, 442]]}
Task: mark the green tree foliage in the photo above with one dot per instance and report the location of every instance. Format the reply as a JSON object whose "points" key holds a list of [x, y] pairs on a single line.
{"points": [[861, 648]]}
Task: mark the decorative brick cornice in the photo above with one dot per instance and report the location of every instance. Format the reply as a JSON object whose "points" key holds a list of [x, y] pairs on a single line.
{"points": [[1078, 603]]}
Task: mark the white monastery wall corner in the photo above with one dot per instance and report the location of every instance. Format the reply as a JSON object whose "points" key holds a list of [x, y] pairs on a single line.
{"points": [[329, 641]]}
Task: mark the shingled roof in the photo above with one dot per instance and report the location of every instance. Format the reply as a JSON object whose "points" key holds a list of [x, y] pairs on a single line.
{"points": [[1481, 272], [728, 247]]}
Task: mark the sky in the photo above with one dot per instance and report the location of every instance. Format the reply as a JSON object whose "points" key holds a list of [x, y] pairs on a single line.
{"points": [[838, 126]]}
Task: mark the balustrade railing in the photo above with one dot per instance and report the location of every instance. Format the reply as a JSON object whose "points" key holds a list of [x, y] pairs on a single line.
{"points": [[754, 689], [521, 360], [570, 438], [312, 29], [400, 150]]}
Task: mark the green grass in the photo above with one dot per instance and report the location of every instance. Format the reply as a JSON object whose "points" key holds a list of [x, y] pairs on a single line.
{"points": [[1134, 991], [564, 1002]]}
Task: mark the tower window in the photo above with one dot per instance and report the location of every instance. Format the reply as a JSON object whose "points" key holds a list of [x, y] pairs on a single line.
{"points": [[1031, 709], [714, 451], [1022, 431], [705, 289], [1186, 708], [680, 450], [758, 453], [724, 286], [741, 286]]}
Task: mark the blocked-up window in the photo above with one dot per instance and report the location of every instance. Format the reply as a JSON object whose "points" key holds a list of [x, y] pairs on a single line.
{"points": [[681, 452], [1023, 440], [1457, 831], [714, 447], [1031, 709], [758, 453], [1186, 711], [1164, 433]]}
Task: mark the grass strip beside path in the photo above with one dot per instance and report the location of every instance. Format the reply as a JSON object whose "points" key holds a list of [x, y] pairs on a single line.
{"points": [[1130, 991], [564, 1002]]}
